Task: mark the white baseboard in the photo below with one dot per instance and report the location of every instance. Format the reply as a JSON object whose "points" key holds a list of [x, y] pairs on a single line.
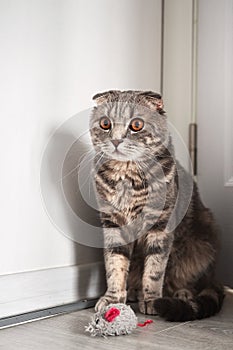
{"points": [[37, 290]]}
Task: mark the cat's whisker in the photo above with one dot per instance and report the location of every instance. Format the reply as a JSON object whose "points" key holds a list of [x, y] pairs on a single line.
{"points": [[154, 159], [86, 154], [99, 160], [78, 165], [142, 174], [90, 173]]}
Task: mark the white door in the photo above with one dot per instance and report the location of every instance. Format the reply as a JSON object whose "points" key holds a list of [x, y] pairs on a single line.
{"points": [[215, 120]]}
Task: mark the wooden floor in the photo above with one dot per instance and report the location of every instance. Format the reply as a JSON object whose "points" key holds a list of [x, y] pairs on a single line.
{"points": [[66, 332]]}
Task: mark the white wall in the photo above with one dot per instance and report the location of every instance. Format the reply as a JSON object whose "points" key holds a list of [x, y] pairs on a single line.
{"points": [[55, 54]]}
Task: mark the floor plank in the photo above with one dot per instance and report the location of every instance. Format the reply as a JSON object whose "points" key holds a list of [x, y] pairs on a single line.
{"points": [[67, 332]]}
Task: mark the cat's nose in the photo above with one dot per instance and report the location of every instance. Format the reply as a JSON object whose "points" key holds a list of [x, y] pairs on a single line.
{"points": [[116, 142]]}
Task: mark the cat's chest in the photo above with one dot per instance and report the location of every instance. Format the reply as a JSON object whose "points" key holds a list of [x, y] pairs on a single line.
{"points": [[121, 186], [123, 197]]}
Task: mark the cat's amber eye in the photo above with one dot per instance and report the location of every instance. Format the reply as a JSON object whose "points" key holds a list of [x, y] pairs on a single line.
{"points": [[105, 123], [136, 124]]}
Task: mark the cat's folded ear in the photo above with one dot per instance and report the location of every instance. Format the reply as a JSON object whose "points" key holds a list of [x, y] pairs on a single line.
{"points": [[153, 100], [149, 99], [105, 96]]}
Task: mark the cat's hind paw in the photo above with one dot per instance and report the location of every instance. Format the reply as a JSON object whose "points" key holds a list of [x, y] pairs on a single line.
{"points": [[147, 307]]}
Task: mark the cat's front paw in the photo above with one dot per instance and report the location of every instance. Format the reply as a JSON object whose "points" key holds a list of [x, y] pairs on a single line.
{"points": [[102, 303], [147, 307], [107, 299]]}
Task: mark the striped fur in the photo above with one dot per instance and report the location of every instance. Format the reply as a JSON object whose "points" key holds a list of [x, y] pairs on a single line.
{"points": [[171, 274]]}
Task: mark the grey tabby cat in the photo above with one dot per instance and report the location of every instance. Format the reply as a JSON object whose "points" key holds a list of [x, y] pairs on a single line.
{"points": [[171, 273]]}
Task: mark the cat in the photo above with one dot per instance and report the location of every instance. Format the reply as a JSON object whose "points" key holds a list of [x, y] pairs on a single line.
{"points": [[169, 272]]}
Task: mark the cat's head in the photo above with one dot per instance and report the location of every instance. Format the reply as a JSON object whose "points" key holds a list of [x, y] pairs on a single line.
{"points": [[128, 125]]}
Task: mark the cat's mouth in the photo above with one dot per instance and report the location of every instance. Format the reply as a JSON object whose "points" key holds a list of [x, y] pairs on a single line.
{"points": [[116, 151], [119, 155]]}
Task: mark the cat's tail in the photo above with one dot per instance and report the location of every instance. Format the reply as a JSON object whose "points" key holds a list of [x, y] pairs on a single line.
{"points": [[178, 309]]}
